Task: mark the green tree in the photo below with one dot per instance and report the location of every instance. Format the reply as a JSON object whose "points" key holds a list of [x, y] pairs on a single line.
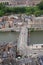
{"points": [[1, 13], [29, 10], [37, 13], [40, 5]]}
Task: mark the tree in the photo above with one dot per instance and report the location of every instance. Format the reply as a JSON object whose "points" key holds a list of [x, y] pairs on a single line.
{"points": [[37, 13], [29, 10], [1, 13], [40, 5]]}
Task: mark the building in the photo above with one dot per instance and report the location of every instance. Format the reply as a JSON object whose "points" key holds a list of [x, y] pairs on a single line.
{"points": [[32, 2], [21, 2], [36, 32]]}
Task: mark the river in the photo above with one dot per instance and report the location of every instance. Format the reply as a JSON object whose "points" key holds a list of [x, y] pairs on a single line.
{"points": [[36, 37], [8, 36]]}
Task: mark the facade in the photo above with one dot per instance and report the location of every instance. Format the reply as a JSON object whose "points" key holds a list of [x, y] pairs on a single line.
{"points": [[21, 2], [33, 2], [36, 23]]}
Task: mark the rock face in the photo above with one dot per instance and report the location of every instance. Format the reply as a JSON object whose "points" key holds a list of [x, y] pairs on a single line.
{"points": [[22, 2]]}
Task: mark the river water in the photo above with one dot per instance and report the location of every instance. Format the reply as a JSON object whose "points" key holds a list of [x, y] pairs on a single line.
{"points": [[36, 37], [8, 36]]}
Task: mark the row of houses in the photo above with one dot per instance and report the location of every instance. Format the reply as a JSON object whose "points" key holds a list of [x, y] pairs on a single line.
{"points": [[18, 21], [35, 22], [21, 2], [11, 21]]}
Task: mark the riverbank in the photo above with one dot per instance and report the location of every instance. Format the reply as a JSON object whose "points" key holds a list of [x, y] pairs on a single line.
{"points": [[9, 30]]}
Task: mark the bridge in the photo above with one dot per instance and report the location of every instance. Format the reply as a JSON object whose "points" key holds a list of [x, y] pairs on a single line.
{"points": [[24, 49], [22, 42]]}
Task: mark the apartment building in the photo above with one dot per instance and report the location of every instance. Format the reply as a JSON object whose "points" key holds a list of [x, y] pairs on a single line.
{"points": [[21, 2]]}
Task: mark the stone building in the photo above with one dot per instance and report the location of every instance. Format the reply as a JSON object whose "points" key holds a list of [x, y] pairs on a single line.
{"points": [[21, 2]]}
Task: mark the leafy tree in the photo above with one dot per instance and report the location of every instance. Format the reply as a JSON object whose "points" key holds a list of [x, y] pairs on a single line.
{"points": [[40, 5], [37, 13], [29, 10], [1, 13]]}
